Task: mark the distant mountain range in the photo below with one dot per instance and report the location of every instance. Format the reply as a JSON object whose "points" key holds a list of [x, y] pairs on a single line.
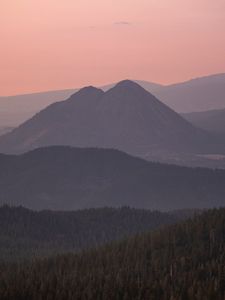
{"points": [[200, 94], [125, 117], [14, 110], [205, 93], [212, 120], [64, 178]]}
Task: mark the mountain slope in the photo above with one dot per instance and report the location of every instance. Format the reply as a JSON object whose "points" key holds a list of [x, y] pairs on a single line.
{"points": [[26, 234], [126, 117], [200, 94], [14, 110], [64, 178], [212, 120], [184, 261]]}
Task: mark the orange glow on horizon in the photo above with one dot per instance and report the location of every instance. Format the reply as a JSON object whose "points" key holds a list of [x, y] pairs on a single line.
{"points": [[47, 45]]}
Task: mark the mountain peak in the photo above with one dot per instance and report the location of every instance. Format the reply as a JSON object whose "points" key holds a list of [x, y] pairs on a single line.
{"points": [[128, 84], [88, 91], [126, 117], [129, 88]]}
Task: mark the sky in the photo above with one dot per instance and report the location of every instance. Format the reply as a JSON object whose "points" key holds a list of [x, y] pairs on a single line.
{"points": [[58, 44]]}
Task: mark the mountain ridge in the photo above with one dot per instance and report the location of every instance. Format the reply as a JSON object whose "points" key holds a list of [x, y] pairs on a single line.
{"points": [[66, 178], [124, 117], [14, 110], [199, 94], [211, 120]]}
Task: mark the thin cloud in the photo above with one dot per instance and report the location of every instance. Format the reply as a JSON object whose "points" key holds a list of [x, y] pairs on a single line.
{"points": [[122, 23]]}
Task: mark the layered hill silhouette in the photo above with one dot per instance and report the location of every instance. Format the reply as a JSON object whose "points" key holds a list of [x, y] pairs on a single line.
{"points": [[200, 94], [212, 120], [64, 178], [15, 110], [126, 117]]}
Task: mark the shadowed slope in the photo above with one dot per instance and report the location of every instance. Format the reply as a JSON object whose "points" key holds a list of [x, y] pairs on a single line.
{"points": [[65, 178]]}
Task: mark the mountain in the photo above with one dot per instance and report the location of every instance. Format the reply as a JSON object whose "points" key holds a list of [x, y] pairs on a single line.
{"points": [[126, 117], [184, 261], [212, 120], [200, 94], [15, 110], [64, 178], [149, 86], [26, 234]]}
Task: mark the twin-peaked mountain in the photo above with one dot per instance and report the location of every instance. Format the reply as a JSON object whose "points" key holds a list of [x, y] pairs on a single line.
{"points": [[126, 117], [199, 94]]}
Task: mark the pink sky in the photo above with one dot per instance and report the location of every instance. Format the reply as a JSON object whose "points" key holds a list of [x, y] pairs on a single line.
{"points": [[57, 44]]}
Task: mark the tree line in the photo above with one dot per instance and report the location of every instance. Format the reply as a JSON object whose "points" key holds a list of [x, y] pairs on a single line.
{"points": [[185, 261]]}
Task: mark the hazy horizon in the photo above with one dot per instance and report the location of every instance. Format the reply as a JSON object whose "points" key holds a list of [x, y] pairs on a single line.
{"points": [[111, 83], [49, 45]]}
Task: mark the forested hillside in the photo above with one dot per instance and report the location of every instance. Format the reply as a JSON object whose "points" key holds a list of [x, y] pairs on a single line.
{"points": [[181, 262], [27, 234]]}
